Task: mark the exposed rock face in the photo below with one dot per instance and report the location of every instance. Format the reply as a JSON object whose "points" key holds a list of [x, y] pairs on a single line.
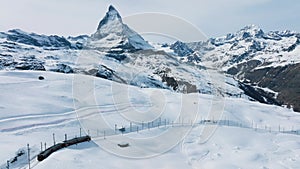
{"points": [[259, 94], [284, 80], [6, 61], [105, 72], [181, 49], [243, 67], [119, 55], [30, 63], [63, 68]]}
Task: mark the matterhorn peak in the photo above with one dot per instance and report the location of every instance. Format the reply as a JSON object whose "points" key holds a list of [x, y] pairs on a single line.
{"points": [[111, 23], [112, 32], [112, 8], [111, 15]]}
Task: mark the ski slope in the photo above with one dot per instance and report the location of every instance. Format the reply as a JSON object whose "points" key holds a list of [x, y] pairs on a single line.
{"points": [[247, 135]]}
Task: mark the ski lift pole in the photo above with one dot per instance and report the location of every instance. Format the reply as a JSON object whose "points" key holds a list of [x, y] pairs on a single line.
{"points": [[28, 150]]}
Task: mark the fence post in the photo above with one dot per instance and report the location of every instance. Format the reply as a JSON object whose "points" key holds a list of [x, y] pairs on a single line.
{"points": [[80, 132], [45, 145], [66, 137], [130, 126], [41, 146], [159, 121], [137, 129], [28, 150], [54, 138]]}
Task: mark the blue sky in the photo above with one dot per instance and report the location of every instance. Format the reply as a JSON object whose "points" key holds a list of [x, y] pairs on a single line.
{"points": [[213, 17]]}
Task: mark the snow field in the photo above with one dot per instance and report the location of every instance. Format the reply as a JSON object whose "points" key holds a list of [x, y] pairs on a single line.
{"points": [[40, 108]]}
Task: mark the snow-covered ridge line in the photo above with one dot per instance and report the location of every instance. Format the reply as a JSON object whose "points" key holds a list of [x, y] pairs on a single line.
{"points": [[33, 39], [272, 49]]}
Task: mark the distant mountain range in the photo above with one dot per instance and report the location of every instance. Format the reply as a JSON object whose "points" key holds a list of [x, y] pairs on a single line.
{"points": [[257, 65], [260, 60]]}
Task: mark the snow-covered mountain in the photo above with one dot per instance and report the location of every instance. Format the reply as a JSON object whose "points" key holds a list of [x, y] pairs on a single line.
{"points": [[266, 63], [181, 49], [113, 33], [271, 49], [48, 42], [113, 52], [118, 53]]}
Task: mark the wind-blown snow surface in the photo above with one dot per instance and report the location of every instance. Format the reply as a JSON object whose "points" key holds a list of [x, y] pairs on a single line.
{"points": [[32, 109]]}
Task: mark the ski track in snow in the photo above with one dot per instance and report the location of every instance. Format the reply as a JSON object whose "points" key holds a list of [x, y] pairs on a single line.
{"points": [[55, 119]]}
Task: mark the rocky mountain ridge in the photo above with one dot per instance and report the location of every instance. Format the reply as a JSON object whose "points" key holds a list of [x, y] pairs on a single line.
{"points": [[267, 60]]}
